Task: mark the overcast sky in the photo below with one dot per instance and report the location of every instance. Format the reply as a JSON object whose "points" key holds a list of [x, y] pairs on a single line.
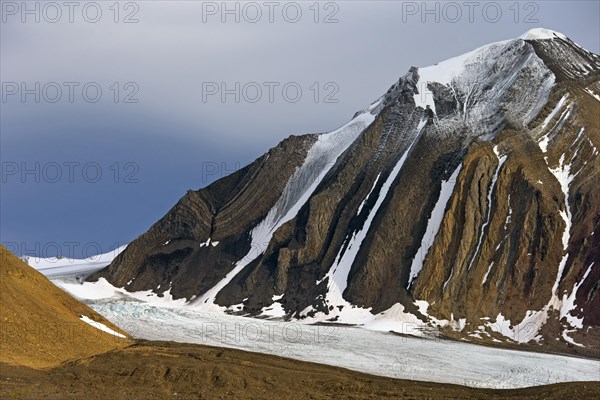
{"points": [[192, 90]]}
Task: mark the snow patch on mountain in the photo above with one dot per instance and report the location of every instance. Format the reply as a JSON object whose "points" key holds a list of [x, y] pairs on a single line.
{"points": [[360, 207], [545, 140], [433, 224], [594, 95], [554, 111], [501, 161], [100, 326], [564, 177]]}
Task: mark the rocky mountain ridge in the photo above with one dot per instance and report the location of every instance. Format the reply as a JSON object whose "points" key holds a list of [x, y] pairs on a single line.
{"points": [[465, 200]]}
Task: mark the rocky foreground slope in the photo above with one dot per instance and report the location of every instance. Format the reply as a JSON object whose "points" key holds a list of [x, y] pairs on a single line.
{"points": [[42, 326], [466, 200]]}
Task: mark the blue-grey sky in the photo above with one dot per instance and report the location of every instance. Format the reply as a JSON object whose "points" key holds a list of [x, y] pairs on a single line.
{"points": [[100, 173]]}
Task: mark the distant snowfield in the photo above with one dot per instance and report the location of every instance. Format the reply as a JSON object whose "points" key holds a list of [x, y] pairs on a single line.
{"points": [[373, 352], [55, 267], [146, 316]]}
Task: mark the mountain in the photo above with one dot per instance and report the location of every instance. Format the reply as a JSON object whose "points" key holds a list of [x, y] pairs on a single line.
{"points": [[466, 200], [41, 325]]}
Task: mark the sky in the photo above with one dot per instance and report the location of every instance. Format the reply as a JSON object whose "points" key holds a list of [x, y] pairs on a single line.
{"points": [[111, 112]]}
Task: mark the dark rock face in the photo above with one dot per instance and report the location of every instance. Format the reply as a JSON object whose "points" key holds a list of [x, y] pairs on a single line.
{"points": [[175, 253], [483, 206]]}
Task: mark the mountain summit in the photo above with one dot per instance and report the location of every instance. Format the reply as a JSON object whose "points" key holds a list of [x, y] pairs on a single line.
{"points": [[542, 34], [465, 199]]}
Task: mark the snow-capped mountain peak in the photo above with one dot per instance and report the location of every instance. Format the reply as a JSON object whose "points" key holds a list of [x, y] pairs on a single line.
{"points": [[541, 34], [464, 198]]}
